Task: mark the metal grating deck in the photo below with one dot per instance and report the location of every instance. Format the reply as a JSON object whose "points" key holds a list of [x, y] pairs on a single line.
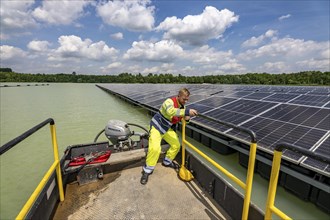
{"points": [[121, 196]]}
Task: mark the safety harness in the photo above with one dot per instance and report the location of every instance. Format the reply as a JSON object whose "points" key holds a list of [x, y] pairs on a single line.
{"points": [[176, 119], [163, 124]]}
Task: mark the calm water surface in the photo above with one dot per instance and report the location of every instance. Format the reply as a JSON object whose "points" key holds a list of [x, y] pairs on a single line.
{"points": [[80, 111]]}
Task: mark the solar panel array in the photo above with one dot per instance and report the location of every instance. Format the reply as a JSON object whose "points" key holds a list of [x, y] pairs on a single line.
{"points": [[299, 115]]}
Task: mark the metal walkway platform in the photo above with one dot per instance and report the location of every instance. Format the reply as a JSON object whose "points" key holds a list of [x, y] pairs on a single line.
{"points": [[121, 196]]}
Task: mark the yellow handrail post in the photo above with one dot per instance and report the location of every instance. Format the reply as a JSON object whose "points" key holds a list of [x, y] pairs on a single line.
{"points": [[273, 183], [183, 141], [58, 166], [270, 207], [22, 214], [249, 180], [250, 172], [55, 166]]}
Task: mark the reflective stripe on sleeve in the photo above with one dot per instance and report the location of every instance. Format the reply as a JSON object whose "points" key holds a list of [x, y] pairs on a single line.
{"points": [[169, 106], [178, 112]]}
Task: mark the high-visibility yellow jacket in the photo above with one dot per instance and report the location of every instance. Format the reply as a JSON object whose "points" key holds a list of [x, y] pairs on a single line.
{"points": [[169, 113]]}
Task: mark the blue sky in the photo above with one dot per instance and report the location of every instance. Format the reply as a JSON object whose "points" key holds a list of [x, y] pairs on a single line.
{"points": [[165, 36]]}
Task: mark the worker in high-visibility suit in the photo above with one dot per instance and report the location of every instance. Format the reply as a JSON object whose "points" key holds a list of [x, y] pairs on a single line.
{"points": [[162, 125]]}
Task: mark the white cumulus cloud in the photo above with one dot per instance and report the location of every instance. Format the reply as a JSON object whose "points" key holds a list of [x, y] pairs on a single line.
{"points": [[284, 17], [74, 47], [117, 36], [9, 52], [233, 67], [38, 46], [325, 54], [164, 68], [256, 41], [288, 54], [287, 47], [131, 15], [162, 51], [111, 67], [273, 67], [314, 64], [60, 12], [206, 55], [197, 29], [114, 65], [16, 15]]}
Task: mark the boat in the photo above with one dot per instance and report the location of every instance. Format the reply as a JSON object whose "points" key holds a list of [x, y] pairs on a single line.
{"points": [[101, 180]]}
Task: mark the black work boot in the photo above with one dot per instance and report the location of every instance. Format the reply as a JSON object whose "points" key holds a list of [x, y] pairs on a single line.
{"points": [[171, 165], [144, 178]]}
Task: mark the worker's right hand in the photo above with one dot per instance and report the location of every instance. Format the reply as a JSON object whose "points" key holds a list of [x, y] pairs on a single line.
{"points": [[193, 112]]}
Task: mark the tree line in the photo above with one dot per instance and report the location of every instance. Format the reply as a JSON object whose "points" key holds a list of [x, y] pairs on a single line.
{"points": [[300, 78]]}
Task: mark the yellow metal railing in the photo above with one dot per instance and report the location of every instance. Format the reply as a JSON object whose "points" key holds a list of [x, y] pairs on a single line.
{"points": [[55, 166], [270, 204], [247, 186]]}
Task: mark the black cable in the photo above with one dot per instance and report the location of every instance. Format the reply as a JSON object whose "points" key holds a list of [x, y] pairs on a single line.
{"points": [[139, 127], [86, 163], [77, 170], [97, 136]]}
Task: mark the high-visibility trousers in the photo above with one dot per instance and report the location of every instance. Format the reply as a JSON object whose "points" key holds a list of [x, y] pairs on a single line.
{"points": [[154, 149]]}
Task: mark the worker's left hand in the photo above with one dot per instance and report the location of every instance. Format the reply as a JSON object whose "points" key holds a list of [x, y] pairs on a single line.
{"points": [[187, 118], [193, 112]]}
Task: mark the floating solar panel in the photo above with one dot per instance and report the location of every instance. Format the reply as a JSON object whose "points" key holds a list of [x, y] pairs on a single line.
{"points": [[248, 106], [327, 105], [323, 148], [196, 98], [321, 119], [155, 103], [204, 91], [149, 95], [280, 97], [200, 108], [298, 115], [227, 116], [308, 116], [312, 100], [215, 101], [238, 94], [258, 95], [320, 91], [271, 132]]}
